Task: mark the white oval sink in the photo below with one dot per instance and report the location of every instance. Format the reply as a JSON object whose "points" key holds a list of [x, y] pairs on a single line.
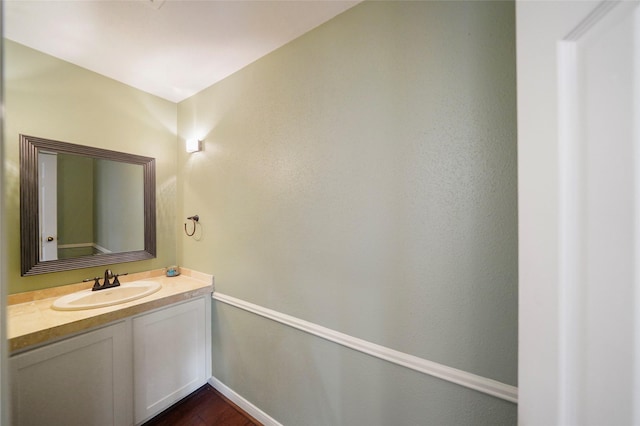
{"points": [[87, 299]]}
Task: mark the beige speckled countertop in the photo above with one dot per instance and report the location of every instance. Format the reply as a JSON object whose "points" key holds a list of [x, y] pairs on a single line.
{"points": [[31, 321]]}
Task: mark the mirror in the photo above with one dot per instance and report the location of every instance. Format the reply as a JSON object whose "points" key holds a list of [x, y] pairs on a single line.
{"points": [[82, 206]]}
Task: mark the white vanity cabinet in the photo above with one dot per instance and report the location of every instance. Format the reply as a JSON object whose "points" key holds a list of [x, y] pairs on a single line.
{"points": [[170, 355], [118, 375], [83, 380]]}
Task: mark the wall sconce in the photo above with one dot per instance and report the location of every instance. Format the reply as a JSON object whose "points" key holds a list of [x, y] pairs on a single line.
{"points": [[193, 145]]}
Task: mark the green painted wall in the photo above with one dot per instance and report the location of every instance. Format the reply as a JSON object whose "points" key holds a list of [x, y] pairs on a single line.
{"points": [[75, 200], [119, 197], [50, 98], [363, 177]]}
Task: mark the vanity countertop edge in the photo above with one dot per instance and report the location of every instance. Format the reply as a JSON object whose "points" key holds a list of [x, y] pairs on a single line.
{"points": [[31, 322]]}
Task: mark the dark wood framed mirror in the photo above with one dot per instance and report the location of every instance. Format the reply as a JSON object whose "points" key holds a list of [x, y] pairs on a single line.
{"points": [[106, 198]]}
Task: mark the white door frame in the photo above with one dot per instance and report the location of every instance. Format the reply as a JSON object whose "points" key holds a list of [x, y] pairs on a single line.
{"points": [[4, 382], [552, 316]]}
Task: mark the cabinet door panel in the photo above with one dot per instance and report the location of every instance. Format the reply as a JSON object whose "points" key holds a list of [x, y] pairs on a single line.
{"points": [[82, 380], [169, 356]]}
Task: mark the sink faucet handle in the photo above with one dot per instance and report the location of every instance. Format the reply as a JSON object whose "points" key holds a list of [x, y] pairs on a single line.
{"points": [[96, 282], [115, 278]]}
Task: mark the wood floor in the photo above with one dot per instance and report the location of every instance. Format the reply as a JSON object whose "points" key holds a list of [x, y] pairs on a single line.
{"points": [[204, 407]]}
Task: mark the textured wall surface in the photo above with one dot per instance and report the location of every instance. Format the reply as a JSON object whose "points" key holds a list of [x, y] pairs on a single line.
{"points": [[125, 183], [363, 177], [75, 200], [50, 98]]}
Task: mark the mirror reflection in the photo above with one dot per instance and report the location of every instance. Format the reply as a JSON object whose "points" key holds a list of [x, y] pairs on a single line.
{"points": [[89, 206]]}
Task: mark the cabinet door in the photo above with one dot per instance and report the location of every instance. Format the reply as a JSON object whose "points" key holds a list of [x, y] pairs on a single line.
{"points": [[169, 356], [83, 380]]}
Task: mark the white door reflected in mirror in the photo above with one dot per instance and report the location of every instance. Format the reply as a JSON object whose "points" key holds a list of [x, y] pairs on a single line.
{"points": [[48, 184]]}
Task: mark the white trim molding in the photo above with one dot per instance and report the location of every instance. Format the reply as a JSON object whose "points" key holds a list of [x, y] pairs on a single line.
{"points": [[241, 402], [421, 365], [570, 219]]}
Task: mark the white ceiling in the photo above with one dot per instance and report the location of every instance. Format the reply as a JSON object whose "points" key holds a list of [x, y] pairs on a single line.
{"points": [[170, 48]]}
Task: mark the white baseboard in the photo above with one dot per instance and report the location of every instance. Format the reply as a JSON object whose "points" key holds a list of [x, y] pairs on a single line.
{"points": [[241, 402], [421, 365]]}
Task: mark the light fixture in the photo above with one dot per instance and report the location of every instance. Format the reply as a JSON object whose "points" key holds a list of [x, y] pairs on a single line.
{"points": [[193, 145]]}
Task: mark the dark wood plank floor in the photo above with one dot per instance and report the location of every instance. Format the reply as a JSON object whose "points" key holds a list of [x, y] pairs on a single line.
{"points": [[204, 407]]}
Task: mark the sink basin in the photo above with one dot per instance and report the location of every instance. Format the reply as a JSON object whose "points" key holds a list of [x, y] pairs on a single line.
{"points": [[87, 299]]}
